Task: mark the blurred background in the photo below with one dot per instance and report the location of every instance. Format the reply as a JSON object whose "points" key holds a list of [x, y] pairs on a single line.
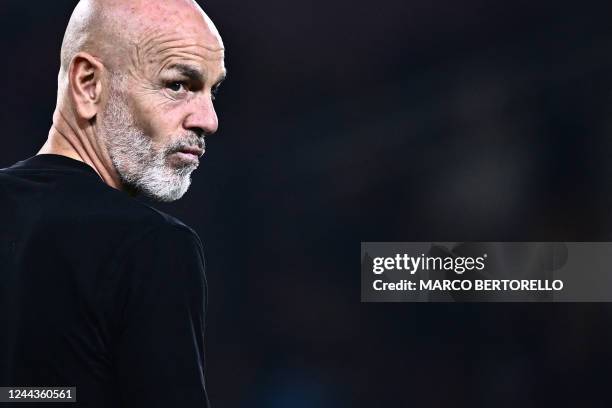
{"points": [[347, 121]]}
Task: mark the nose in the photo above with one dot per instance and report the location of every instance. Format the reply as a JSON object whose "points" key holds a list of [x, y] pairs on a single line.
{"points": [[202, 117]]}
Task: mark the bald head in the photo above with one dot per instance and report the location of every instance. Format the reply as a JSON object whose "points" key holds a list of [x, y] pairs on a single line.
{"points": [[110, 30]]}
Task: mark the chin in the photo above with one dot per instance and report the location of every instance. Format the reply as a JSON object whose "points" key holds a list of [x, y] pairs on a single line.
{"points": [[170, 193], [164, 186]]}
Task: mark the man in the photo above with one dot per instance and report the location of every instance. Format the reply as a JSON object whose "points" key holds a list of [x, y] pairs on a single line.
{"points": [[97, 290]]}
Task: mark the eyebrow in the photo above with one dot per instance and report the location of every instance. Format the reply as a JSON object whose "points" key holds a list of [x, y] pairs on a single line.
{"points": [[190, 72], [195, 74]]}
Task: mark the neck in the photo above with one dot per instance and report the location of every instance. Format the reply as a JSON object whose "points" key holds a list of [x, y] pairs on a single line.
{"points": [[67, 139]]}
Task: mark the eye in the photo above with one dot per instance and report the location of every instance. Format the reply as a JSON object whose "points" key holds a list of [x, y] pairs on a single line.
{"points": [[175, 86]]}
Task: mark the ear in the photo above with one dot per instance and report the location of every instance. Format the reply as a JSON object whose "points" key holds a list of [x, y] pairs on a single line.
{"points": [[85, 83]]}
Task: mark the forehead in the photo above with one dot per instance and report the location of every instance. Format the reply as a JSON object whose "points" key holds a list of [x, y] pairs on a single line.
{"points": [[194, 42]]}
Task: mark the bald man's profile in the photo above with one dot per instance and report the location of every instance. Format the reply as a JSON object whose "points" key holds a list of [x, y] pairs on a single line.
{"points": [[98, 290]]}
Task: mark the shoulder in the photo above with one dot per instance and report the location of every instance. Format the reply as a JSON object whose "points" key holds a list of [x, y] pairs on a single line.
{"points": [[158, 275], [143, 231], [165, 233], [101, 203], [164, 254], [164, 263], [67, 203], [109, 221], [100, 209]]}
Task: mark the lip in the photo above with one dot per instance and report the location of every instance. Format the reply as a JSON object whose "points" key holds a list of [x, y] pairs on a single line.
{"points": [[196, 151]]}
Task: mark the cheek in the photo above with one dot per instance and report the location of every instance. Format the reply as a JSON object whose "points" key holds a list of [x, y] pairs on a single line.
{"points": [[158, 121], [158, 125]]}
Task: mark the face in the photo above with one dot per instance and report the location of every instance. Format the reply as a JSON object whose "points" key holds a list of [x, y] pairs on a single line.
{"points": [[159, 109]]}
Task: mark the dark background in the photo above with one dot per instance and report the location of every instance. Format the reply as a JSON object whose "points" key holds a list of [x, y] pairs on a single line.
{"points": [[347, 121]]}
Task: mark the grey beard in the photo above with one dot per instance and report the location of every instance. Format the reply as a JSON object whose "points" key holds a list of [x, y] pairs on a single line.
{"points": [[141, 167]]}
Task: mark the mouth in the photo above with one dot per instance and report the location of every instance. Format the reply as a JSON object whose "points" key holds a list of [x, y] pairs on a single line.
{"points": [[189, 155], [194, 151]]}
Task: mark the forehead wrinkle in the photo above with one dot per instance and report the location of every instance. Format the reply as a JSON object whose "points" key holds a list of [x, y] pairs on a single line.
{"points": [[157, 49], [172, 59], [194, 45], [172, 44], [186, 54], [156, 38], [157, 62]]}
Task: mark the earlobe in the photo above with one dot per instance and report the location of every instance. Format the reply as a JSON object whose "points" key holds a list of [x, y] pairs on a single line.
{"points": [[85, 84]]}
